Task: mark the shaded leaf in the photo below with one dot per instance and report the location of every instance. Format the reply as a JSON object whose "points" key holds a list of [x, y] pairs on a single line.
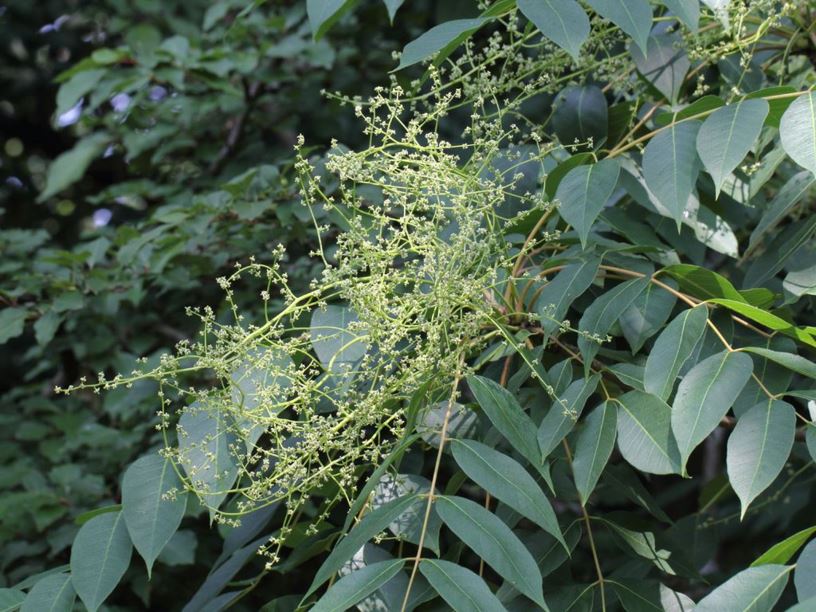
{"points": [[69, 167], [664, 65], [564, 413], [593, 448], [442, 38], [557, 295], [632, 16], [580, 114]]}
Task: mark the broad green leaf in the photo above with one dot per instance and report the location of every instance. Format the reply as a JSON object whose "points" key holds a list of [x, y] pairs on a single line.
{"points": [[602, 314], [557, 174], [207, 446], [670, 166], [392, 6], [442, 38], [71, 91], [769, 320], [462, 589], [645, 438], [696, 110], [758, 448], [507, 416], [583, 193], [69, 167], [506, 480], [797, 130], [805, 571], [687, 10], [672, 601], [665, 65], [150, 520], [580, 114], [87, 516], [791, 361], [490, 538], [324, 13], [704, 396], [564, 413], [702, 283], [53, 593], [782, 552], [646, 315], [632, 16], [357, 585], [593, 448], [99, 557], [672, 348], [562, 21], [10, 599], [12, 323], [557, 295], [756, 589], [630, 374], [787, 197], [784, 246], [727, 135], [336, 337], [371, 524]]}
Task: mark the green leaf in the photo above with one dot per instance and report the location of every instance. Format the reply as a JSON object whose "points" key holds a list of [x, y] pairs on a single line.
{"points": [[392, 6], [810, 440], [562, 21], [696, 110], [805, 570], [555, 177], [99, 557], [507, 416], [10, 599], [358, 585], [323, 14], [12, 323], [580, 114], [665, 65], [792, 361], [687, 10], [672, 348], [584, 191], [74, 88], [564, 413], [462, 589], [87, 516], [787, 197], [638, 596], [702, 283], [646, 315], [593, 448], [490, 538], [781, 552], [599, 317], [758, 448], [727, 135], [53, 593], [371, 524], [150, 520], [797, 130], [69, 167], [643, 544], [506, 480], [632, 16], [207, 443], [670, 166], [779, 251], [556, 296], [46, 326], [336, 337], [440, 39], [645, 438], [769, 320], [756, 589], [704, 396]]}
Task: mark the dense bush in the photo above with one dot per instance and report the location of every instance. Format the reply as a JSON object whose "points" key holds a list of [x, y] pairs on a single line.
{"points": [[518, 320]]}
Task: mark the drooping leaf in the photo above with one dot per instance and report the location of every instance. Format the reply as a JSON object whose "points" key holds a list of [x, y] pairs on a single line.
{"points": [[632, 16], [593, 448], [583, 193], [704, 396], [12, 323], [580, 114], [782, 552], [758, 448], [324, 13], [440, 39], [645, 438], [69, 167], [490, 538], [756, 589], [557, 174], [768, 319], [99, 557], [562, 21], [672, 348], [564, 413], [797, 130], [643, 544], [727, 135], [462, 589], [688, 11], [358, 585], [665, 65], [787, 197], [557, 295], [150, 519], [646, 314], [670, 166], [805, 570], [703, 283], [783, 247], [53, 593], [792, 361], [506, 480], [599, 317], [392, 6], [672, 601], [507, 416]]}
